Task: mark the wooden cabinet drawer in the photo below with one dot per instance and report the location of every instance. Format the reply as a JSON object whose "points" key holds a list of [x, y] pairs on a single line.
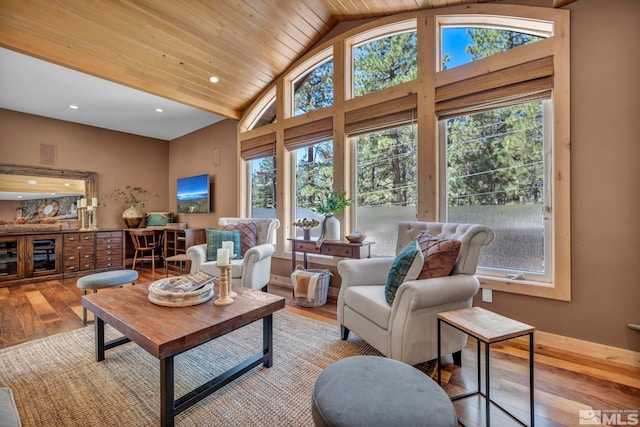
{"points": [[307, 247], [109, 261], [74, 239], [343, 251], [109, 236], [71, 265], [78, 257], [108, 247], [87, 264]]}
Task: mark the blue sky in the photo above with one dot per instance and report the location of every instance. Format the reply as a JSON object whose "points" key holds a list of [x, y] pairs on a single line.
{"points": [[454, 42]]}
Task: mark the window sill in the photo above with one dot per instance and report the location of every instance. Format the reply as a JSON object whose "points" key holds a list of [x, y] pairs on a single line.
{"points": [[526, 287]]}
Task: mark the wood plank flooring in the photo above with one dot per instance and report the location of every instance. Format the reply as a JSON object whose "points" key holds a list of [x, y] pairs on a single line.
{"points": [[565, 383]]}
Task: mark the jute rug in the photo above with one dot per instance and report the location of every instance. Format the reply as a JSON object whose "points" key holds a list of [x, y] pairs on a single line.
{"points": [[57, 382]]}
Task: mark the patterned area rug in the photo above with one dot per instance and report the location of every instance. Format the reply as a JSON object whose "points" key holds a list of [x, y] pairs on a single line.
{"points": [[57, 382]]}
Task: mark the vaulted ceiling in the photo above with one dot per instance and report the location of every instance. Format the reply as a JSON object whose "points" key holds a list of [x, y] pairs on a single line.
{"points": [[170, 48]]}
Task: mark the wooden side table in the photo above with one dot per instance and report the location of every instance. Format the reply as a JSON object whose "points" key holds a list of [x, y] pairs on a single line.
{"points": [[487, 327]]}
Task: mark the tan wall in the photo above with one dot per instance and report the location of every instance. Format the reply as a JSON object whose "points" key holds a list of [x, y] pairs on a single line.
{"points": [[193, 154], [8, 210], [118, 158]]}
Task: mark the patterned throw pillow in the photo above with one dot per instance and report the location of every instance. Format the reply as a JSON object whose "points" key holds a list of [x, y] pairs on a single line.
{"points": [[440, 255], [406, 266], [215, 239], [248, 235]]}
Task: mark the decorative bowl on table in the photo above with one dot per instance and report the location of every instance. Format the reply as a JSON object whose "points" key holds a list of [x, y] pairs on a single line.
{"points": [[356, 238]]}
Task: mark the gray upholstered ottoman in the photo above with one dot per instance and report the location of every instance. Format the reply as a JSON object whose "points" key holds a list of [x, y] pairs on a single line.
{"points": [[376, 391], [105, 279], [9, 416]]}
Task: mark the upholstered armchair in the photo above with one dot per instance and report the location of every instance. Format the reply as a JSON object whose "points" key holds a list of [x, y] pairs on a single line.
{"points": [[406, 330], [254, 269]]}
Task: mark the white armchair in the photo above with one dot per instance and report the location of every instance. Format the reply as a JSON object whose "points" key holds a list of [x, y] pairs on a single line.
{"points": [[254, 269], [407, 329]]}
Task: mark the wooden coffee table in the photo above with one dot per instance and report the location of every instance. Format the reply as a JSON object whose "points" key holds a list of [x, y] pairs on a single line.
{"points": [[165, 332]]}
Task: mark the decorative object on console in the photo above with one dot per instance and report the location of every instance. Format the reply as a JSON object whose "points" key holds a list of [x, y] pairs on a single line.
{"points": [[334, 203], [306, 225], [356, 237], [132, 196], [157, 219]]}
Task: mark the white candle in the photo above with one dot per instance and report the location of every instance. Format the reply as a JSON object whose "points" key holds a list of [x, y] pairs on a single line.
{"points": [[89, 208], [83, 203], [223, 257], [228, 244], [94, 202]]}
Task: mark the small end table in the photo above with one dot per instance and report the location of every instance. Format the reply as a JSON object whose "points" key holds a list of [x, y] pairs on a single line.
{"points": [[487, 327]]}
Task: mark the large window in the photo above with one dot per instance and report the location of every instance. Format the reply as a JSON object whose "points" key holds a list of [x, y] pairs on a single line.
{"points": [[461, 45], [263, 187], [314, 89], [386, 184], [313, 177], [384, 62], [495, 175], [434, 117]]}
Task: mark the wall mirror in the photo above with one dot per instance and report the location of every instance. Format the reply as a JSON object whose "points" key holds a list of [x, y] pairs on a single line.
{"points": [[36, 192]]}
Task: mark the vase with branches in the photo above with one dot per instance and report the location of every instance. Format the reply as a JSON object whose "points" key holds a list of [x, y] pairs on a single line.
{"points": [[132, 196], [333, 203]]}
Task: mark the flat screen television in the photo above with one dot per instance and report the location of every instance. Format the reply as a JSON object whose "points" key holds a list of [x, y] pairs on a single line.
{"points": [[194, 194]]}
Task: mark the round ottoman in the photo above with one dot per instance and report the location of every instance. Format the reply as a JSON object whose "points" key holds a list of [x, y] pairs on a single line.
{"points": [[376, 391]]}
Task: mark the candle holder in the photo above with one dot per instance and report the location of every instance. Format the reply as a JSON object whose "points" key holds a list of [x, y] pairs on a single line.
{"points": [[83, 226], [93, 219], [223, 297]]}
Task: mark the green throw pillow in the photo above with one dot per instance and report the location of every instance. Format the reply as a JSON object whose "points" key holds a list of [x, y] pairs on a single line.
{"points": [[407, 266], [215, 239]]}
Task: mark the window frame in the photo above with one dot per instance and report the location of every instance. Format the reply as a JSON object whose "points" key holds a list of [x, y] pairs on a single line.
{"points": [[553, 22]]}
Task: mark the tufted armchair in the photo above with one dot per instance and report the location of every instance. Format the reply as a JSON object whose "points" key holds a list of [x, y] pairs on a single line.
{"points": [[254, 269], [407, 329]]}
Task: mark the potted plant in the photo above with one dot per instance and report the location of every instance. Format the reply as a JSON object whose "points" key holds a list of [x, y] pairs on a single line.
{"points": [[333, 203], [132, 196]]}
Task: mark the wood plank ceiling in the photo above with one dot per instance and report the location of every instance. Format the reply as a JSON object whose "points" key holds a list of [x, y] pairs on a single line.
{"points": [[170, 48]]}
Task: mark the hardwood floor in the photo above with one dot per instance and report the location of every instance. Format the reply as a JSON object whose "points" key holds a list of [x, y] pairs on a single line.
{"points": [[565, 383]]}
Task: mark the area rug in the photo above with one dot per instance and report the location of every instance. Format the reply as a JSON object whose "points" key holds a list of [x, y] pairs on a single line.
{"points": [[57, 382]]}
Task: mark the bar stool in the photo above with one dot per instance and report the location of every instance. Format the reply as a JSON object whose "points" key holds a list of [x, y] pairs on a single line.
{"points": [[106, 279], [181, 258]]}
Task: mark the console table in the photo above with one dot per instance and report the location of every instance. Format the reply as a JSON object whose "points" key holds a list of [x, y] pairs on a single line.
{"points": [[341, 248]]}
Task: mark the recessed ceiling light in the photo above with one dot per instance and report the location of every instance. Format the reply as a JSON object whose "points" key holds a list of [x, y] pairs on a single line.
{"points": [[73, 107], [159, 110], [66, 184], [214, 79], [19, 197], [53, 194], [32, 182]]}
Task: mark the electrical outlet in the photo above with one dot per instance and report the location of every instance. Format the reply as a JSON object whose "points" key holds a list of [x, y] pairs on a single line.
{"points": [[487, 295]]}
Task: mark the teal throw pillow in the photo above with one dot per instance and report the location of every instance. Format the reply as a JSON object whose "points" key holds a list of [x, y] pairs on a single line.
{"points": [[215, 239], [406, 266]]}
